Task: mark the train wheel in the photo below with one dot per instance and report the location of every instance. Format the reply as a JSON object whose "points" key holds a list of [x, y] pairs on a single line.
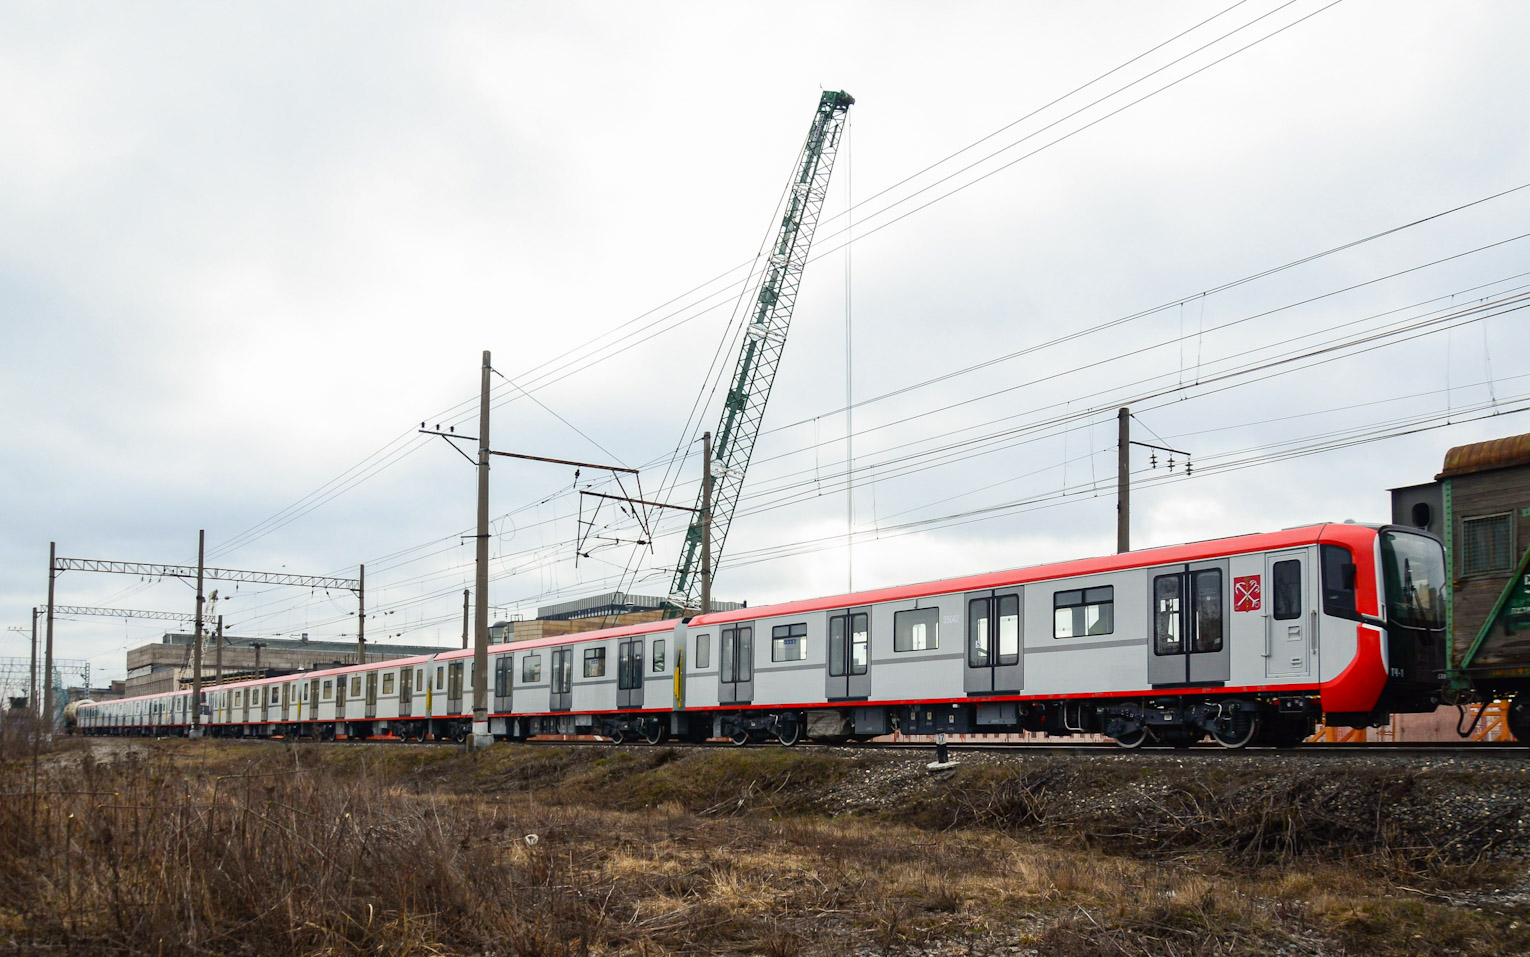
{"points": [[617, 736], [1519, 718], [1242, 730], [789, 733], [1134, 739], [656, 731], [740, 738]]}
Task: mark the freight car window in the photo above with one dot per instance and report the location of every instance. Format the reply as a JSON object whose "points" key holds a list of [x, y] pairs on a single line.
{"points": [[1084, 611], [916, 630], [594, 662], [1286, 583], [1206, 587], [1485, 544], [788, 642], [388, 683], [1338, 582], [703, 651], [531, 668], [658, 654]]}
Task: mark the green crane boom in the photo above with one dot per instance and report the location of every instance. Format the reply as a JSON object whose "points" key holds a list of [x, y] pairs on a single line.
{"points": [[764, 339]]}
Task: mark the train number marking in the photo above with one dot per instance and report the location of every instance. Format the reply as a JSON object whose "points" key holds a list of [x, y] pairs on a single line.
{"points": [[1246, 595]]}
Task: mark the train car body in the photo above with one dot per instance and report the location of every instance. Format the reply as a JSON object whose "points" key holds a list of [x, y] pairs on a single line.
{"points": [[1247, 639]]}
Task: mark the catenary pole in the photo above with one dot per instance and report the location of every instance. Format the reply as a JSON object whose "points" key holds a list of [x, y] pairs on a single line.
{"points": [[47, 675], [481, 736], [465, 593], [361, 616], [1123, 480], [196, 642], [218, 652], [32, 691]]}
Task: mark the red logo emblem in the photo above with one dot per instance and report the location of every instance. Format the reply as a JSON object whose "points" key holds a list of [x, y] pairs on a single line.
{"points": [[1246, 593]]}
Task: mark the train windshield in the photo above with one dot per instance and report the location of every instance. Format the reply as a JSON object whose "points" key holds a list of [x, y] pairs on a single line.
{"points": [[1413, 567]]}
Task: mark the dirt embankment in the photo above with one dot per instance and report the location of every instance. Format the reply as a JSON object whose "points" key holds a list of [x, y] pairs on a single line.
{"points": [[544, 849]]}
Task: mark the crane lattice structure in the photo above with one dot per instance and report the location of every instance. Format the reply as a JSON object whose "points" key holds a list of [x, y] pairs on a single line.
{"points": [[764, 338]]}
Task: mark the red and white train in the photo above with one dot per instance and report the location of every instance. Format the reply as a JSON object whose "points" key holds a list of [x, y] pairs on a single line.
{"points": [[1244, 640]]}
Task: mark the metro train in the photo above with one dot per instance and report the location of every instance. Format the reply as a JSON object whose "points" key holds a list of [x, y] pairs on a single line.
{"points": [[1245, 640]]}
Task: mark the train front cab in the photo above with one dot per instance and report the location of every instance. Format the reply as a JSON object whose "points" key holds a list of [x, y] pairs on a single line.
{"points": [[1398, 662]]}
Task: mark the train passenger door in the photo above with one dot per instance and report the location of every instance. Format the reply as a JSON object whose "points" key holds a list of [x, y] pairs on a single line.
{"points": [[313, 700], [629, 673], [1189, 643], [406, 692], [561, 680], [454, 688], [735, 658], [1290, 619], [995, 664], [503, 672], [286, 699], [371, 694], [849, 671]]}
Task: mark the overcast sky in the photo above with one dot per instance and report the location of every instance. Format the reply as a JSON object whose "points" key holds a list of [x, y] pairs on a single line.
{"points": [[245, 249]]}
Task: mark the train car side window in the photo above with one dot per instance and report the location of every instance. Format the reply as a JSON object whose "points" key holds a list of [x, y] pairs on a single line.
{"points": [[917, 629], [531, 668], [788, 642], [595, 662], [388, 683], [1338, 582], [440, 677], [1084, 611], [703, 651], [860, 644], [356, 686], [419, 679], [1286, 583], [658, 654], [1206, 589], [329, 690], [1166, 637], [977, 633]]}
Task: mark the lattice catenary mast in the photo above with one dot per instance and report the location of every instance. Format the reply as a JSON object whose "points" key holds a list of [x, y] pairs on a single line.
{"points": [[764, 338]]}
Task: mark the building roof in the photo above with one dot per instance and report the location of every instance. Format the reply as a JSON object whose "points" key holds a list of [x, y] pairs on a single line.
{"points": [[1486, 456], [302, 645]]}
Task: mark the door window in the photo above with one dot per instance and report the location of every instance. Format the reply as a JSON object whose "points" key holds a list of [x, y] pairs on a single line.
{"points": [[1206, 587], [703, 651], [1166, 616], [1286, 583], [746, 654], [1009, 630], [860, 643], [623, 666], [977, 633], [728, 655]]}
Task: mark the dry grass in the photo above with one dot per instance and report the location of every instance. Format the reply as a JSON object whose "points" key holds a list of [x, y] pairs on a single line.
{"points": [[215, 849]]}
